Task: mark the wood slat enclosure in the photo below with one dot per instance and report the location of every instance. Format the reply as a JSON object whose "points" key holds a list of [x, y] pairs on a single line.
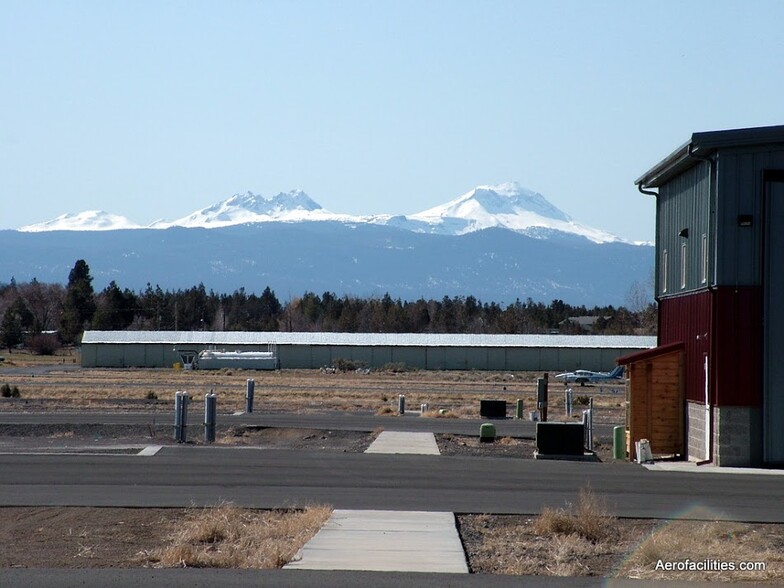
{"points": [[655, 400]]}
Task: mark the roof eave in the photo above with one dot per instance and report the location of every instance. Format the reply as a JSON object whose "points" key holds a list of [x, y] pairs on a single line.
{"points": [[702, 145], [675, 162]]}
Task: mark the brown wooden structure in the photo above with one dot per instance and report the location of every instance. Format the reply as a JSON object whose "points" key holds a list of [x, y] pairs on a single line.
{"points": [[655, 400]]}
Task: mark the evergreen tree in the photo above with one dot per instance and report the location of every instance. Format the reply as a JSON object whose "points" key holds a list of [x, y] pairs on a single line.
{"points": [[79, 305], [116, 309], [10, 329]]}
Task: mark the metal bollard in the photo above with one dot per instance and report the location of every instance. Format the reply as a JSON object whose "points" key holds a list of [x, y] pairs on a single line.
{"points": [[519, 409], [588, 428], [541, 398], [619, 442], [568, 402], [181, 401], [401, 404], [423, 408], [251, 385], [210, 416], [177, 415]]}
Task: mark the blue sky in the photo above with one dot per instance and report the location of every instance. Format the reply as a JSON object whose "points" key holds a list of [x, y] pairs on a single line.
{"points": [[155, 109]]}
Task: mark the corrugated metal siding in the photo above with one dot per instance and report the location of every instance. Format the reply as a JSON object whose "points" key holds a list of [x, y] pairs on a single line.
{"points": [[683, 203], [737, 345], [740, 191], [687, 319], [239, 338]]}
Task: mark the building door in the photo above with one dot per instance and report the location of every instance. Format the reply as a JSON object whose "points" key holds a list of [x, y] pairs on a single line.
{"points": [[773, 316]]}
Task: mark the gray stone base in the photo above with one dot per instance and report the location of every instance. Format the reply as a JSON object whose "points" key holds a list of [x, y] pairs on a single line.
{"points": [[737, 441], [737, 437], [695, 431]]}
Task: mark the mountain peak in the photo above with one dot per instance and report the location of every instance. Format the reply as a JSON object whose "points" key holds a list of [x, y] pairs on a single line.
{"points": [[272, 205], [88, 220], [250, 208], [506, 205], [511, 198]]}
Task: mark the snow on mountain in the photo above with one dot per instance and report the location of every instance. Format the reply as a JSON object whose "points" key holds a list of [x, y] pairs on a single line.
{"points": [[89, 220], [508, 206], [294, 206], [505, 205]]}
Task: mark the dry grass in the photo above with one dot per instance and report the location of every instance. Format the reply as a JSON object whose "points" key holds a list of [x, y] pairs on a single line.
{"points": [[698, 541], [289, 390], [589, 520], [585, 540], [229, 537]]}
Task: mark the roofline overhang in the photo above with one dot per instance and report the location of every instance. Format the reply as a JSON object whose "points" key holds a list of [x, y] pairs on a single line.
{"points": [[703, 145]]}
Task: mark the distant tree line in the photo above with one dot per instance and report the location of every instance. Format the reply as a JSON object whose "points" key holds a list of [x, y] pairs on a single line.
{"points": [[36, 313]]}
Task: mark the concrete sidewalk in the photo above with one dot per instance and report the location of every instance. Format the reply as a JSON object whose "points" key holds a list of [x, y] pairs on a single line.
{"points": [[400, 442], [385, 541], [388, 541], [692, 467]]}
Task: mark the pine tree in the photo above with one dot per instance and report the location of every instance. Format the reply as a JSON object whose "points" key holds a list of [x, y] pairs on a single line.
{"points": [[79, 305], [10, 329]]}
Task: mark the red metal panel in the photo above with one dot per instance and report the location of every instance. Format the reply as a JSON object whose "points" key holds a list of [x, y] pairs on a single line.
{"points": [[738, 346], [687, 319], [727, 324]]}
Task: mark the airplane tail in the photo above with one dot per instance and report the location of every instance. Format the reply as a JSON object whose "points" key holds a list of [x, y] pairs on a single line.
{"points": [[617, 372]]}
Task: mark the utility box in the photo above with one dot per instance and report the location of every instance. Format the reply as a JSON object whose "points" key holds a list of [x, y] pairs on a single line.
{"points": [[559, 439], [492, 409]]}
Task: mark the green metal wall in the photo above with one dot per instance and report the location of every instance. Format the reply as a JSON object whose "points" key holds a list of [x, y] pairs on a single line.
{"points": [[546, 359], [684, 203]]}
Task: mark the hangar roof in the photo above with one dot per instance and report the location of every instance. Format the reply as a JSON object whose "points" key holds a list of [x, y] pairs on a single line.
{"points": [[228, 338], [702, 145]]}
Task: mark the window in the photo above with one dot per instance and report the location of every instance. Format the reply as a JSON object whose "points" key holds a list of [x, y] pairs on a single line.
{"points": [[664, 271], [704, 258], [683, 265]]}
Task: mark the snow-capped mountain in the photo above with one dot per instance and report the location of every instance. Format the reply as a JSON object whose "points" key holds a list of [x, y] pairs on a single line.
{"points": [[498, 243], [507, 206], [89, 220], [240, 209]]}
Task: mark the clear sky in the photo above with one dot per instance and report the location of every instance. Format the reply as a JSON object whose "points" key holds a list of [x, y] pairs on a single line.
{"points": [[153, 109]]}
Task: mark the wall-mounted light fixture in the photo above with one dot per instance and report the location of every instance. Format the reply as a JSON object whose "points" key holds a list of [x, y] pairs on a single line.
{"points": [[745, 220], [684, 233]]}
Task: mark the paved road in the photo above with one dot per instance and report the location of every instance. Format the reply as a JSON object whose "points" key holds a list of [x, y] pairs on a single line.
{"points": [[201, 578], [335, 421], [180, 476]]}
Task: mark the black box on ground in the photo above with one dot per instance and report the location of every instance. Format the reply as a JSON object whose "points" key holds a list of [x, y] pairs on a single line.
{"points": [[492, 409], [559, 438]]}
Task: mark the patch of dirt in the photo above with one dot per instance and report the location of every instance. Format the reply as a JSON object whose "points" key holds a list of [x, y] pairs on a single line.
{"points": [[82, 537], [61, 437], [510, 545], [304, 439], [451, 444], [74, 537]]}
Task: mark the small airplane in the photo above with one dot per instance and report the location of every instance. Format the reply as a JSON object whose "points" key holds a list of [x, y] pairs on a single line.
{"points": [[583, 376]]}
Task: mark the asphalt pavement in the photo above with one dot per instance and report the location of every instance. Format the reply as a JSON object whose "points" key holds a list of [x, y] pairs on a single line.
{"points": [[210, 578], [265, 478]]}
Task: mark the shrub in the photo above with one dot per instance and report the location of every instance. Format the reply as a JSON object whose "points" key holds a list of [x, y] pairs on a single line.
{"points": [[348, 365], [582, 400], [151, 395], [44, 344], [591, 520], [9, 392]]}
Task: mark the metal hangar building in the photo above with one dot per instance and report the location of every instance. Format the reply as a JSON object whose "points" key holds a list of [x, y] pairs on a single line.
{"points": [[314, 350], [720, 289]]}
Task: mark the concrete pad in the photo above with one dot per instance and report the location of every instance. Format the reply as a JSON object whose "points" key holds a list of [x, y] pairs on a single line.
{"points": [[690, 466], [387, 541], [150, 450], [400, 442]]}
